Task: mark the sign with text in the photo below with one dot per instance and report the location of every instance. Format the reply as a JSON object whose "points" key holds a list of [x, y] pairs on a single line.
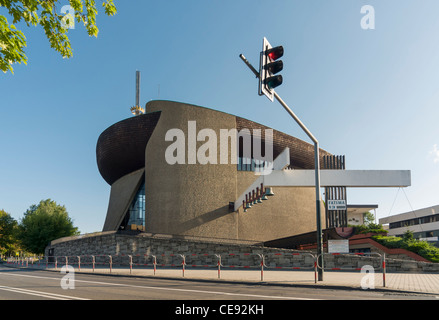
{"points": [[336, 204], [338, 246]]}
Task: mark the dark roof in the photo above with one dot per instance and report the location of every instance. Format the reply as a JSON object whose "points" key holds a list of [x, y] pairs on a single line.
{"points": [[121, 147]]}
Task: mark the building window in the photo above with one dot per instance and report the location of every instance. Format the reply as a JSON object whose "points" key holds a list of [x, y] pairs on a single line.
{"points": [[135, 216], [415, 221], [256, 165]]}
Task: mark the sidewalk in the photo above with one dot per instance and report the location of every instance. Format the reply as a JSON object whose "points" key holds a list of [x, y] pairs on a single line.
{"points": [[402, 282]]}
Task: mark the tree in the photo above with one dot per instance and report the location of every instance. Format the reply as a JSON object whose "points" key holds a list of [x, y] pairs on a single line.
{"points": [[8, 232], [43, 223], [408, 235], [55, 24], [368, 218]]}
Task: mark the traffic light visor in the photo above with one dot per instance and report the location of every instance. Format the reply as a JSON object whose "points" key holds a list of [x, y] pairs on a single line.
{"points": [[273, 82], [275, 53], [274, 67]]}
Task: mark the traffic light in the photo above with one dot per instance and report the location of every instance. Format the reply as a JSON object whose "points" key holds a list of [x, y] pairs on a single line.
{"points": [[269, 65]]}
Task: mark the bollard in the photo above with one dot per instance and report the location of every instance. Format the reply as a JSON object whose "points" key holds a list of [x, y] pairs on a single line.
{"points": [[111, 263], [131, 263], [93, 262]]}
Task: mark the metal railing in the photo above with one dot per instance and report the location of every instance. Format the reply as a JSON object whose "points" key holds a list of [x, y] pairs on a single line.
{"points": [[290, 258], [290, 261], [381, 259]]}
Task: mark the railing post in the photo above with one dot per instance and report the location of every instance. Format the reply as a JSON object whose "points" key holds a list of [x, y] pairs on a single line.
{"points": [[315, 269], [384, 270], [262, 265], [155, 263], [183, 263], [219, 265]]}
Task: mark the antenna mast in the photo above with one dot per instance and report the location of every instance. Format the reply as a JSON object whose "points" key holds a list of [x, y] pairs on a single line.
{"points": [[137, 110]]}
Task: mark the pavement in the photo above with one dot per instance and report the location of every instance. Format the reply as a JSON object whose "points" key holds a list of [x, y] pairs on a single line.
{"points": [[404, 283]]}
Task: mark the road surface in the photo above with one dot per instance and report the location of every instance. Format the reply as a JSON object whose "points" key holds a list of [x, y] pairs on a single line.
{"points": [[28, 284]]}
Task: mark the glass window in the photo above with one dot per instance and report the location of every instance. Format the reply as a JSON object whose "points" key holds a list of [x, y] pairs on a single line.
{"points": [[250, 164], [136, 212]]}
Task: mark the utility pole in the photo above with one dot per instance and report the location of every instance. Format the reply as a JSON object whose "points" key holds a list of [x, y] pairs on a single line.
{"points": [[316, 161]]}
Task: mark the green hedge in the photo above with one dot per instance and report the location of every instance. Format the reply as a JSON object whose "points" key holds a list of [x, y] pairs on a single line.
{"points": [[370, 228], [422, 248]]}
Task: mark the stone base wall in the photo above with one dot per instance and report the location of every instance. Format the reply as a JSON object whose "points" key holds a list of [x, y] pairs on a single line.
{"points": [[169, 251]]}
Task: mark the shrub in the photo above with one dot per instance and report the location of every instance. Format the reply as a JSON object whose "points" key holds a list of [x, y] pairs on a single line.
{"points": [[370, 228], [422, 248]]}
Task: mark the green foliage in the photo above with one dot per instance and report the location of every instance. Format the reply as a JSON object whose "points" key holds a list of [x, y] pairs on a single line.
{"points": [[45, 14], [43, 223], [12, 43], [368, 218], [370, 228], [408, 236], [8, 233], [422, 248]]}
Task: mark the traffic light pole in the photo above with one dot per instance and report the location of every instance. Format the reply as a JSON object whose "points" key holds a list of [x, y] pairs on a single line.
{"points": [[317, 171]]}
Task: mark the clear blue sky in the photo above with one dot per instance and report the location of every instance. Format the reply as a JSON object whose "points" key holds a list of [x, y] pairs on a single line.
{"points": [[372, 95]]}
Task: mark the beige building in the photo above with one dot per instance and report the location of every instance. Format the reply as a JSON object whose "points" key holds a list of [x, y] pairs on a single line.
{"points": [[178, 169]]}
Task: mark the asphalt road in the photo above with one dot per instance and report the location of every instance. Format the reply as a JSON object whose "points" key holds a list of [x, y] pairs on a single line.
{"points": [[26, 284]]}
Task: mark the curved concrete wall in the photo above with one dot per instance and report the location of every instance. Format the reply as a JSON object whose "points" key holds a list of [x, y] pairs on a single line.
{"points": [[193, 199]]}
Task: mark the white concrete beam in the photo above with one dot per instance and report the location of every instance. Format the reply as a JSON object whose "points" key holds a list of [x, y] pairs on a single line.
{"points": [[340, 178], [331, 178]]}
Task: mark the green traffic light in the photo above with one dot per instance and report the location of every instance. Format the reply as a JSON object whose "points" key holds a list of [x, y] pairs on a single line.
{"points": [[273, 82]]}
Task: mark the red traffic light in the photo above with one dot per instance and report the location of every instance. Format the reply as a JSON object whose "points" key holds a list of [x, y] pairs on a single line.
{"points": [[275, 53]]}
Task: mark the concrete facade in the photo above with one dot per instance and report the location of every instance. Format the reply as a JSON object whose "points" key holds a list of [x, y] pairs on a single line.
{"points": [[424, 223], [193, 199]]}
